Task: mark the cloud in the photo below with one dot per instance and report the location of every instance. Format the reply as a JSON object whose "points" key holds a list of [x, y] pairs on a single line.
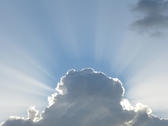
{"points": [[89, 98], [155, 16], [32, 113]]}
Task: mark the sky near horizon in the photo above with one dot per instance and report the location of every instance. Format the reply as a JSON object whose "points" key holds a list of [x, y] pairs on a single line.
{"points": [[41, 40]]}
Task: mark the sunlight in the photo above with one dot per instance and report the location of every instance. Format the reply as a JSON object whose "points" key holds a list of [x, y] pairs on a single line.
{"points": [[14, 74], [20, 91]]}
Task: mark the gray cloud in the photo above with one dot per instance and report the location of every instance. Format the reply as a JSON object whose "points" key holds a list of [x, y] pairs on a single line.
{"points": [[88, 98], [144, 119], [154, 18]]}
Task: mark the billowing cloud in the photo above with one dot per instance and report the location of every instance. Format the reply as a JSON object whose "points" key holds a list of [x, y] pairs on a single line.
{"points": [[88, 98], [154, 18]]}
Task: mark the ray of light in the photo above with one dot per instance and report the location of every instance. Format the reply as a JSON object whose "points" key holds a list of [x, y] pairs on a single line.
{"points": [[20, 91]]}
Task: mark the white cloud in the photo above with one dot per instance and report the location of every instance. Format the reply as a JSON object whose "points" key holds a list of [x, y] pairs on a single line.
{"points": [[88, 98], [32, 113]]}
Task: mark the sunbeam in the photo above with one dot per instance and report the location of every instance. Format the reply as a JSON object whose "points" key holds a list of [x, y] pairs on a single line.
{"points": [[17, 89], [41, 40]]}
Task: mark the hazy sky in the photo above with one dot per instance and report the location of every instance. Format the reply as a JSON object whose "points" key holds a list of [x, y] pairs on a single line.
{"points": [[41, 40]]}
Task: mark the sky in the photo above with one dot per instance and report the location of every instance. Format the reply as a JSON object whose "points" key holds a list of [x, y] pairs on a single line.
{"points": [[41, 40]]}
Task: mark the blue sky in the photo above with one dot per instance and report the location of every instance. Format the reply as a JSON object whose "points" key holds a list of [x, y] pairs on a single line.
{"points": [[41, 40]]}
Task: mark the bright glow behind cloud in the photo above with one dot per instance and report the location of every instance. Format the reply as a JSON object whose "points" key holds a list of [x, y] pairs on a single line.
{"points": [[42, 39]]}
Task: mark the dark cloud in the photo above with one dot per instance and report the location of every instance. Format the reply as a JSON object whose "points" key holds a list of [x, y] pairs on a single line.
{"points": [[154, 16], [88, 98]]}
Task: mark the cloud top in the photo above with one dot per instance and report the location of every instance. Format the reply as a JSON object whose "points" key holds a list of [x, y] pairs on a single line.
{"points": [[87, 97]]}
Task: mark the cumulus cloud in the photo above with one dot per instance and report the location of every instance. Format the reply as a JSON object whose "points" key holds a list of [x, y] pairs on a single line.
{"points": [[88, 98], [154, 18], [32, 113]]}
